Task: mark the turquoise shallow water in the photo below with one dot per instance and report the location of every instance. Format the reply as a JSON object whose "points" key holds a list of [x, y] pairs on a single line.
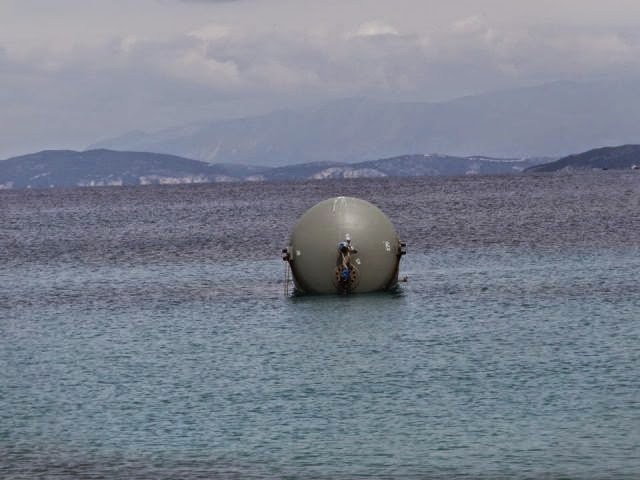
{"points": [[495, 359]]}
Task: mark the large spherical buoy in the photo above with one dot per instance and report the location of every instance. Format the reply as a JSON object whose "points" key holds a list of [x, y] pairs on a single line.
{"points": [[344, 245]]}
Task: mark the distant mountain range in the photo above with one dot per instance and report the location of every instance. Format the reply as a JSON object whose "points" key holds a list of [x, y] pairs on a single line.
{"points": [[101, 167], [551, 120], [607, 158]]}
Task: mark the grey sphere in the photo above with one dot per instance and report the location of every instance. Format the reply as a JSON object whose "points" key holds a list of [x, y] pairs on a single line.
{"points": [[344, 245]]}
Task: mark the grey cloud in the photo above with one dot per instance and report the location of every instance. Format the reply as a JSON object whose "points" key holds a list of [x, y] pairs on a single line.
{"points": [[469, 59], [135, 81]]}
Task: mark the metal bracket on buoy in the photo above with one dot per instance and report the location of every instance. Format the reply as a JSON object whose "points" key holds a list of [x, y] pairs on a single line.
{"points": [[286, 256]]}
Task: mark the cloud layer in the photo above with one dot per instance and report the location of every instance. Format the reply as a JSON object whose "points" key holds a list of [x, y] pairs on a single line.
{"points": [[91, 69]]}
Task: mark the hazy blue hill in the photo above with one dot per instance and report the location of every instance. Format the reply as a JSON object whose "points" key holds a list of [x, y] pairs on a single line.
{"points": [[63, 168], [434, 165], [610, 158], [301, 171], [403, 166], [550, 120]]}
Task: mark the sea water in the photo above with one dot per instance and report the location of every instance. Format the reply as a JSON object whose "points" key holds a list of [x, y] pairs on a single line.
{"points": [[145, 333]]}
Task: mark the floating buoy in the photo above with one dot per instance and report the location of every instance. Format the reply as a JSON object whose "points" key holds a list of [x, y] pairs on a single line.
{"points": [[344, 245]]}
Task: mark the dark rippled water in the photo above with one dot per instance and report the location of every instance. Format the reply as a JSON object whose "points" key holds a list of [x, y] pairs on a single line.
{"points": [[145, 334]]}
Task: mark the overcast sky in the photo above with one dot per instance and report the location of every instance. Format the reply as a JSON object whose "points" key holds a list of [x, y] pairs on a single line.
{"points": [[76, 71]]}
